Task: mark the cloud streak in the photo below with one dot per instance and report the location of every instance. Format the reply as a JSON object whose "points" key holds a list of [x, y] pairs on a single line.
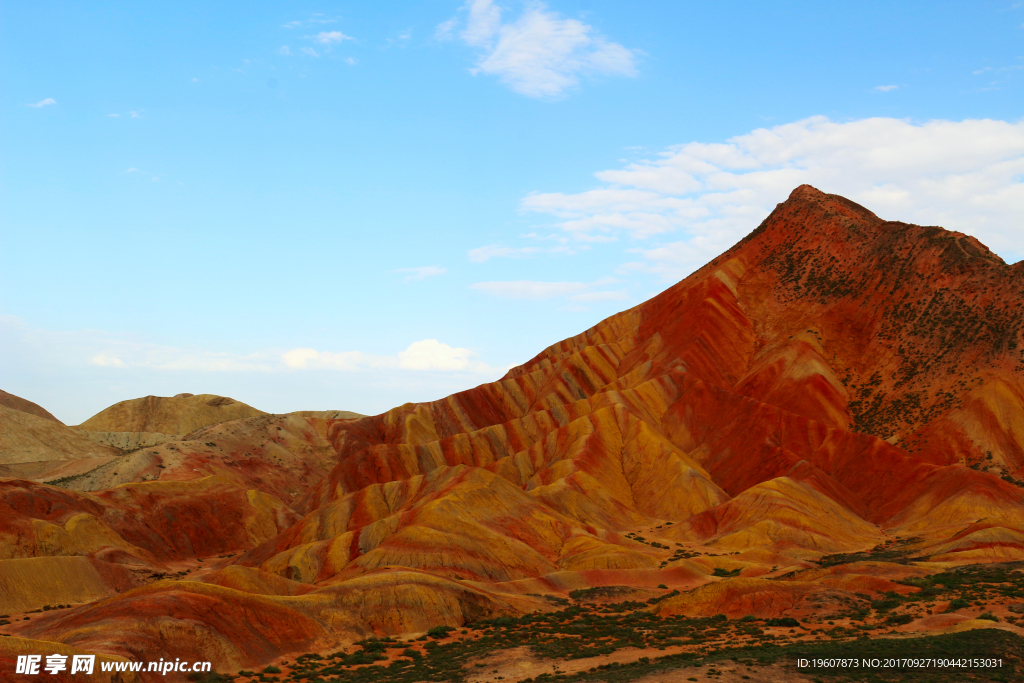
{"points": [[44, 103], [122, 354], [329, 37]]}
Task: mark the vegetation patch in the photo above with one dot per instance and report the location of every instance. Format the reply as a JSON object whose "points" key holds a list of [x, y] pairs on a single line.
{"points": [[587, 629]]}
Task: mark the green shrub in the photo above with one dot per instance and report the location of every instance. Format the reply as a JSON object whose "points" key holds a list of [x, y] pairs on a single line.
{"points": [[209, 677], [440, 631], [959, 603], [989, 616]]}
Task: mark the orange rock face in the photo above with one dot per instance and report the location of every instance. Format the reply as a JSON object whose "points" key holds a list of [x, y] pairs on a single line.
{"points": [[833, 383]]}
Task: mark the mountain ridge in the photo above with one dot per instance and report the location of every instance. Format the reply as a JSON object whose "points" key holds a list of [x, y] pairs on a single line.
{"points": [[832, 384]]}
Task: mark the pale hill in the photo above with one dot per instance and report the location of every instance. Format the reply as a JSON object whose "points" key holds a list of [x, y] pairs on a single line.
{"points": [[25, 406], [181, 414], [26, 438]]}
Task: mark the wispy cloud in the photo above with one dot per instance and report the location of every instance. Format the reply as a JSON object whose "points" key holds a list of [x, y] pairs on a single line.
{"points": [[886, 88], [966, 175], [329, 37], [421, 272], [540, 54], [402, 39], [446, 29], [284, 51], [998, 69], [44, 103]]}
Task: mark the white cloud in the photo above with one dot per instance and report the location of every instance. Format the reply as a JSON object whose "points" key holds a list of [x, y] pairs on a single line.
{"points": [[421, 272], [886, 88], [113, 116], [350, 61], [540, 54], [483, 22], [44, 103], [431, 354], [426, 355], [132, 170], [135, 114], [297, 359], [329, 37], [284, 51], [310, 52], [966, 176]]}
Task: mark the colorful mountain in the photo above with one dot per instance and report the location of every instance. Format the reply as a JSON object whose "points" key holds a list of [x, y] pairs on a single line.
{"points": [[835, 385]]}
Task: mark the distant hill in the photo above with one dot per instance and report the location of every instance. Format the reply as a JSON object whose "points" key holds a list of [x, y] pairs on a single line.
{"points": [[181, 414], [25, 406], [36, 447]]}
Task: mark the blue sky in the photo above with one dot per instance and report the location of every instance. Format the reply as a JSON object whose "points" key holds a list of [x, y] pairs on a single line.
{"points": [[354, 205]]}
